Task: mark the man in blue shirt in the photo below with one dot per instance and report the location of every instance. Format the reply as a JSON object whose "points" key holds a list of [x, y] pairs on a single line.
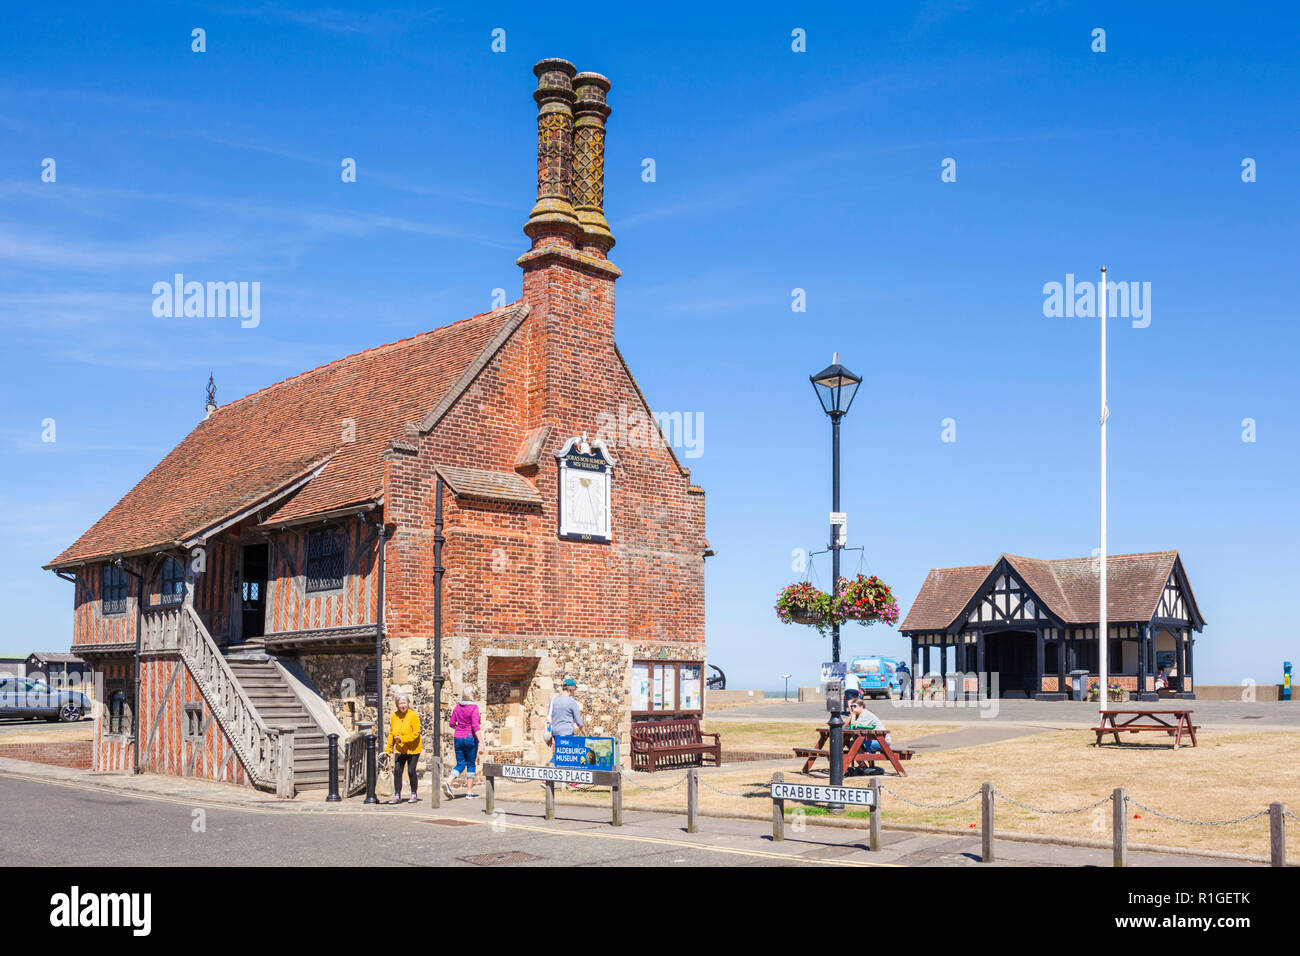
{"points": [[564, 714]]}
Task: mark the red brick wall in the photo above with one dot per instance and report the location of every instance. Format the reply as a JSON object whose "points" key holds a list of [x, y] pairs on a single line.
{"points": [[76, 754], [507, 571]]}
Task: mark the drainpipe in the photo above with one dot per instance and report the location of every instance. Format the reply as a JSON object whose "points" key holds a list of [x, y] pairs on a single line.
{"points": [[382, 528], [135, 707], [438, 540]]}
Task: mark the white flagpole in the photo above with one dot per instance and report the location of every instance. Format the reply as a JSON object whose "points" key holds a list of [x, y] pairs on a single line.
{"points": [[1103, 627]]}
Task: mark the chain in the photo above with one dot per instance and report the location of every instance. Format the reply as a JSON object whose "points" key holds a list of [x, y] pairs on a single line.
{"points": [[929, 806], [641, 786], [728, 793], [1025, 806], [1198, 823], [1291, 813]]}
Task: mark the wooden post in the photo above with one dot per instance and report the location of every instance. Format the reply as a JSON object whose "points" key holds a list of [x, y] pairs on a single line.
{"points": [[986, 822], [618, 798], [874, 815], [490, 798], [778, 812], [1120, 817], [692, 800], [550, 799], [1277, 834], [435, 778], [284, 781]]}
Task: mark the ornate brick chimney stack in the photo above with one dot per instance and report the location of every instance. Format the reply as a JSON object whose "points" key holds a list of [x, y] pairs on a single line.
{"points": [[568, 281], [589, 162], [553, 218]]}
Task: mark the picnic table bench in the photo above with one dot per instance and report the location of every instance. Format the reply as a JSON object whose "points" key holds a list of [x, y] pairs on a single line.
{"points": [[672, 743], [855, 752], [1147, 720]]}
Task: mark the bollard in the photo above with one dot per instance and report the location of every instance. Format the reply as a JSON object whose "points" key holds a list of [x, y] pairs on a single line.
{"points": [[692, 800], [874, 815], [333, 796], [986, 822], [371, 769], [490, 797], [618, 798], [1277, 834], [778, 812], [435, 778], [550, 799], [1119, 813]]}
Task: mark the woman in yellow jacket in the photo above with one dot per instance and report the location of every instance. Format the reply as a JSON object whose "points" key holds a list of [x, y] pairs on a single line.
{"points": [[404, 740]]}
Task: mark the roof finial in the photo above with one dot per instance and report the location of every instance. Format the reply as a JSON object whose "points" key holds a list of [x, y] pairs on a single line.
{"points": [[211, 405]]}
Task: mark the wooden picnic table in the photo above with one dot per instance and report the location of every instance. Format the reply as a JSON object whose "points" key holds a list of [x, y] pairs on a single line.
{"points": [[1147, 720], [855, 752]]}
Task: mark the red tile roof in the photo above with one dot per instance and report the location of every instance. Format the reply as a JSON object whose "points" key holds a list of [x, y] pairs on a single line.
{"points": [[1068, 587], [259, 444]]}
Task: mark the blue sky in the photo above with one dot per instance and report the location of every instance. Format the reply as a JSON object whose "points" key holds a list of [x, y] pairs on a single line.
{"points": [[776, 170]]}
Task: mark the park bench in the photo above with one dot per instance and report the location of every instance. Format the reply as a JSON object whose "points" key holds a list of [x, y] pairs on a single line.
{"points": [[855, 743], [657, 744], [1138, 721]]}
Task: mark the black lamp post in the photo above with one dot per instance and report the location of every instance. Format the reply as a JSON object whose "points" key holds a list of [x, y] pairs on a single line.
{"points": [[835, 387]]}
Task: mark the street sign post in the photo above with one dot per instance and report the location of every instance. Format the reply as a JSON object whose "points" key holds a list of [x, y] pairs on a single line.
{"points": [[550, 776], [868, 797]]}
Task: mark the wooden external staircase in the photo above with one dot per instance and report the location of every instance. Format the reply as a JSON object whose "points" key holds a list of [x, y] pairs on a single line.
{"points": [[278, 706]]}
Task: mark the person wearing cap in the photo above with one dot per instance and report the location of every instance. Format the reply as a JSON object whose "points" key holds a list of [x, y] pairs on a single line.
{"points": [[564, 714], [404, 740]]}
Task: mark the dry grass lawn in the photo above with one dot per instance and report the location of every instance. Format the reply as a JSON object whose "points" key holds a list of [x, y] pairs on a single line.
{"points": [[1229, 775], [781, 736]]}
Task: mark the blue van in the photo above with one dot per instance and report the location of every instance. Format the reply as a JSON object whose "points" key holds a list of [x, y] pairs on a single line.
{"points": [[878, 676]]}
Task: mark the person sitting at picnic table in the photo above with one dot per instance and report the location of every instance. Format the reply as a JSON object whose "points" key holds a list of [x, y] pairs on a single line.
{"points": [[863, 719]]}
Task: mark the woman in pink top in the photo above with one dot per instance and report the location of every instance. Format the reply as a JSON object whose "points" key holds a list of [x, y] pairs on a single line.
{"points": [[464, 722]]}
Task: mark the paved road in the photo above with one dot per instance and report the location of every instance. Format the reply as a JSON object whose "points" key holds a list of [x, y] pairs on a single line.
{"points": [[54, 816], [1065, 713]]}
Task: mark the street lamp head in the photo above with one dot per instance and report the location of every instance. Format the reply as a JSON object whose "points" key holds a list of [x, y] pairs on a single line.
{"points": [[835, 387]]}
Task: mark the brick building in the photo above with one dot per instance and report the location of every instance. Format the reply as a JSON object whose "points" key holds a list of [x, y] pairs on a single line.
{"points": [[458, 489]]}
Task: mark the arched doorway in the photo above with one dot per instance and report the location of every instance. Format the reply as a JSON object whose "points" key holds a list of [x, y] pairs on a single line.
{"points": [[1013, 656]]}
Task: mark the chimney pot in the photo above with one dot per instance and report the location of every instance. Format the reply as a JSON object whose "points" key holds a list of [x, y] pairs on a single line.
{"points": [[591, 111], [553, 217]]}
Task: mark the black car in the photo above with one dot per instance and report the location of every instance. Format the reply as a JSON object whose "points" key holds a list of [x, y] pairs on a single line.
{"points": [[25, 697]]}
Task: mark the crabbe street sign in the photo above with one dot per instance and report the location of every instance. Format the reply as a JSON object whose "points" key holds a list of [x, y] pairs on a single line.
{"points": [[805, 793]]}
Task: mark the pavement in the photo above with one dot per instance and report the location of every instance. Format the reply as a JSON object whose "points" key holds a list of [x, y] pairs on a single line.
{"points": [[154, 820], [1042, 714]]}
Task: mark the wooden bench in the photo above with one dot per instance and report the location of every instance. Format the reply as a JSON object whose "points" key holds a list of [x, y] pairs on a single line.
{"points": [[855, 750], [1147, 720], [657, 744]]}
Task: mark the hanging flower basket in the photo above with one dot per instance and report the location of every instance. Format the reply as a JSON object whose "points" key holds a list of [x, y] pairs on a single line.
{"points": [[804, 604], [866, 600]]}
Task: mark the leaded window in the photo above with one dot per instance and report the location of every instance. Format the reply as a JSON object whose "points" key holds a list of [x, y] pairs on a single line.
{"points": [[171, 582], [324, 559], [113, 591]]}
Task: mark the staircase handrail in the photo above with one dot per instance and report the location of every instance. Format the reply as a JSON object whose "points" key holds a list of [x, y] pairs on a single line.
{"points": [[257, 745]]}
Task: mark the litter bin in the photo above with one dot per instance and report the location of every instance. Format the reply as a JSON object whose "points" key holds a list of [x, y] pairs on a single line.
{"points": [[1078, 684]]}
